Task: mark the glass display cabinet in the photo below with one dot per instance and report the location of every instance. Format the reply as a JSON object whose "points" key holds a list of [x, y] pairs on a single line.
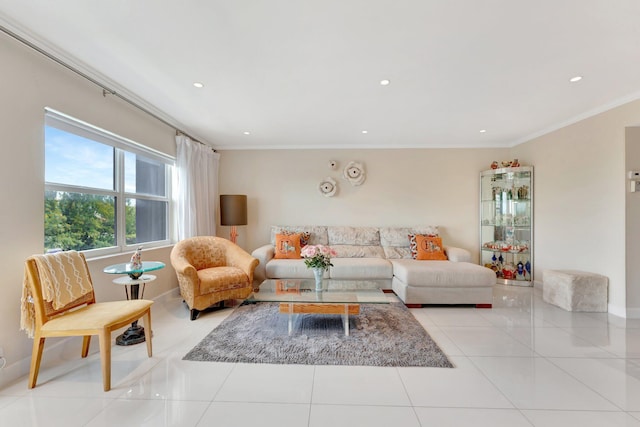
{"points": [[506, 224]]}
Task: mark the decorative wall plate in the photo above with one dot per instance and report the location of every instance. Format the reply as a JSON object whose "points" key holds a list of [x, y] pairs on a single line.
{"points": [[354, 173], [328, 187]]}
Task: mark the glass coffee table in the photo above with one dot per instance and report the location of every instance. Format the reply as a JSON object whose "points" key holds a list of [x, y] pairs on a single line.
{"points": [[298, 296]]}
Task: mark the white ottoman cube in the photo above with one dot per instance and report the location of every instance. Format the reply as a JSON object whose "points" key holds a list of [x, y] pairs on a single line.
{"points": [[575, 290]]}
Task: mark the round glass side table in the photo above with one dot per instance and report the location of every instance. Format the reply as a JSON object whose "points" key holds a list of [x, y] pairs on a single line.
{"points": [[132, 281]]}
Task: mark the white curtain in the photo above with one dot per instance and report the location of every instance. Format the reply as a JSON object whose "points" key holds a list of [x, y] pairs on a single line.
{"points": [[196, 190]]}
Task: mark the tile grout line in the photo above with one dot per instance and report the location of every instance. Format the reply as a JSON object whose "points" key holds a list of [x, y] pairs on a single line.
{"points": [[583, 383], [404, 387]]}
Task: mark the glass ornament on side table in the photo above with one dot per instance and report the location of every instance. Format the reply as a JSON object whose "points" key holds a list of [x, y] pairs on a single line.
{"points": [[135, 264]]}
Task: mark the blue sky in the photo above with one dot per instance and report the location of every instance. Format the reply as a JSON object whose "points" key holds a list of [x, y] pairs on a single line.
{"points": [[72, 159]]}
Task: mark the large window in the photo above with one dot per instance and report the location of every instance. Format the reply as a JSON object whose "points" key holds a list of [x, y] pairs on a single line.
{"points": [[103, 193]]}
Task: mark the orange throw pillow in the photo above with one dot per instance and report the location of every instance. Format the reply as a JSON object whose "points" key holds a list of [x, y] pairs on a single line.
{"points": [[304, 236], [287, 246], [427, 248]]}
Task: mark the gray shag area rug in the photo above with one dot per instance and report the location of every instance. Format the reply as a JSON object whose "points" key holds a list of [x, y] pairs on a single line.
{"points": [[381, 335]]}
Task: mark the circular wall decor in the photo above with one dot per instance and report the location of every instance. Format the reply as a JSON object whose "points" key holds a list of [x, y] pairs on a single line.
{"points": [[354, 173], [328, 187], [333, 164]]}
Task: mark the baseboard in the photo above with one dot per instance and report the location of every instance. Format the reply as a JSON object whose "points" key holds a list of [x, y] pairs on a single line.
{"points": [[54, 352], [632, 313], [168, 294], [11, 373], [625, 313]]}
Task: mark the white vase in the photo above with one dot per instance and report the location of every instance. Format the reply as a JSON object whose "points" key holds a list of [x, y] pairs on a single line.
{"points": [[318, 272]]}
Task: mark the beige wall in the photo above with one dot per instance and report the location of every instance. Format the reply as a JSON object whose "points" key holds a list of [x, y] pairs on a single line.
{"points": [[30, 83], [580, 190], [402, 187], [632, 163], [579, 210], [580, 187]]}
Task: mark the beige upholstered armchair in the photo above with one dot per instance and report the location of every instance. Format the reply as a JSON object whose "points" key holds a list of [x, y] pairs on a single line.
{"points": [[211, 269]]}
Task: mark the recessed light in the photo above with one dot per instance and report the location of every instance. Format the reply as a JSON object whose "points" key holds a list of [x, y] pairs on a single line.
{"points": [[247, 132], [365, 131], [385, 82], [483, 131], [575, 79], [198, 85]]}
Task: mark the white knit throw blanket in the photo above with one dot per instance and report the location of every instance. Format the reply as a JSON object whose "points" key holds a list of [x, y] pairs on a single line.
{"points": [[64, 278]]}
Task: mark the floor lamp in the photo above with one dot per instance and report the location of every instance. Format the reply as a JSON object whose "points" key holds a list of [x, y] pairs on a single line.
{"points": [[233, 212]]}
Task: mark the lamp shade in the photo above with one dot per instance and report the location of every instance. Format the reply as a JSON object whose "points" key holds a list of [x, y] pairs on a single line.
{"points": [[233, 209]]}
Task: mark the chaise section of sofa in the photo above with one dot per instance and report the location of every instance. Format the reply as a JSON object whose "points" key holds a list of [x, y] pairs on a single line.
{"points": [[383, 254], [442, 282]]}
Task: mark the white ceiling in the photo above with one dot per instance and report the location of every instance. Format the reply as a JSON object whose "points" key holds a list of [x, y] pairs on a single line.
{"points": [[306, 73]]}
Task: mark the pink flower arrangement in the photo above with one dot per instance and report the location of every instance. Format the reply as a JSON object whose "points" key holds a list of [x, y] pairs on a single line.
{"points": [[317, 256]]}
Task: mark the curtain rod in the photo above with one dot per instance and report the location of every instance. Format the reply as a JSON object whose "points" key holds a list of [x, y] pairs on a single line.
{"points": [[105, 90]]}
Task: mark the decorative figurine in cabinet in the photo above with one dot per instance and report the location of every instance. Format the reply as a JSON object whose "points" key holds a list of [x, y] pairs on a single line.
{"points": [[506, 224]]}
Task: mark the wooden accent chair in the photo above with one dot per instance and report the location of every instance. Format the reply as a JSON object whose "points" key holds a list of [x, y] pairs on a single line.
{"points": [[81, 317], [212, 269]]}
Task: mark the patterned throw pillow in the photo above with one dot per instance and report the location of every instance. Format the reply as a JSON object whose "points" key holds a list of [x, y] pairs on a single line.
{"points": [[287, 246], [304, 236], [427, 248]]}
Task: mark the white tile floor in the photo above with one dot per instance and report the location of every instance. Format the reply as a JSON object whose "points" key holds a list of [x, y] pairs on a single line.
{"points": [[522, 363]]}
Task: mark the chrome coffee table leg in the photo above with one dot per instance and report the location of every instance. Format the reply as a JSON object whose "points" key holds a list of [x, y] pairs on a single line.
{"points": [[345, 319], [290, 318]]}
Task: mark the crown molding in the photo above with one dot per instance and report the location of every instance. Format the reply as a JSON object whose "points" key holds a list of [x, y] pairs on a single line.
{"points": [[44, 47], [580, 117]]}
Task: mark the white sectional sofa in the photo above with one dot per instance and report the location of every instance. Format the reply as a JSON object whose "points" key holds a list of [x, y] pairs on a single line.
{"points": [[383, 254]]}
